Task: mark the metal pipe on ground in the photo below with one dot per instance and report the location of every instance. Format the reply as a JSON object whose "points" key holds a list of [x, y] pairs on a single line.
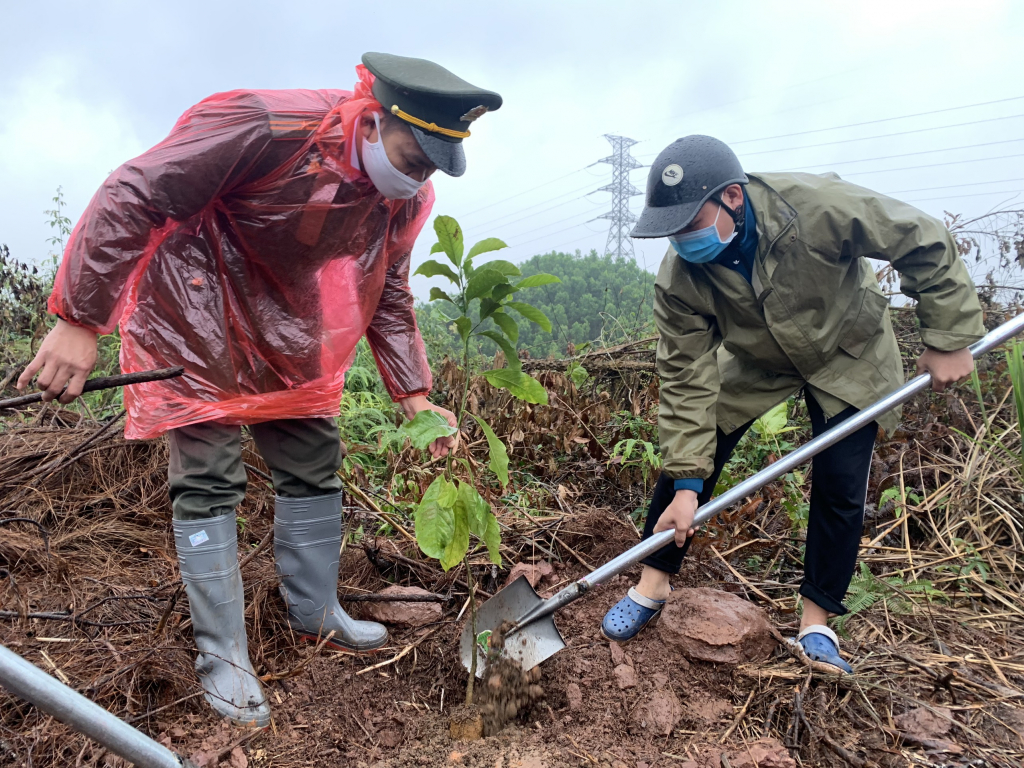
{"points": [[28, 682]]}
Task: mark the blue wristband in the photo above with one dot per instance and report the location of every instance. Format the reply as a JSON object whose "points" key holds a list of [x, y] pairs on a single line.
{"points": [[690, 484]]}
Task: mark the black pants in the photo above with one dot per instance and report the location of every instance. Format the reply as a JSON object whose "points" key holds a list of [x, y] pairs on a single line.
{"points": [[836, 517]]}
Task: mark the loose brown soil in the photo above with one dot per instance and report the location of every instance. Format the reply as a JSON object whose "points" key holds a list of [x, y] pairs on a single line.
{"points": [[92, 596]]}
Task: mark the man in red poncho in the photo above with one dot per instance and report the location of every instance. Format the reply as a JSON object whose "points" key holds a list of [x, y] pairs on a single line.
{"points": [[255, 246]]}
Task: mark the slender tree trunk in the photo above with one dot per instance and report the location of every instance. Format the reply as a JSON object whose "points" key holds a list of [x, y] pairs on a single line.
{"points": [[472, 618]]}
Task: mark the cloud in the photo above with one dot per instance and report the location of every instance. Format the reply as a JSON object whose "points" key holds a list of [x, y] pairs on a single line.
{"points": [[50, 136]]}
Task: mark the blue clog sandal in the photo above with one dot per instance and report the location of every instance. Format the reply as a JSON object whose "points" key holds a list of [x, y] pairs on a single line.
{"points": [[818, 647], [629, 616]]}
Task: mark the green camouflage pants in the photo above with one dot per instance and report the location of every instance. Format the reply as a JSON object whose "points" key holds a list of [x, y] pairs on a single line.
{"points": [[207, 478]]}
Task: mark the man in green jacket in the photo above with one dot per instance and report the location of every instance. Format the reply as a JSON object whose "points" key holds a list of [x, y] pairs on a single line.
{"points": [[766, 290]]}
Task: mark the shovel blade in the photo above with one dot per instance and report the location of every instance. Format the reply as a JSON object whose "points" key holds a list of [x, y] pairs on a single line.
{"points": [[537, 641]]}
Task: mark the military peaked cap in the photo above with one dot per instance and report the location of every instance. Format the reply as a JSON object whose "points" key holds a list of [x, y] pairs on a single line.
{"points": [[438, 105]]}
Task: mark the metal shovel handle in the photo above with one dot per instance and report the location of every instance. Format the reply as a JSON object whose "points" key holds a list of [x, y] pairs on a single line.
{"points": [[27, 681], [740, 491]]}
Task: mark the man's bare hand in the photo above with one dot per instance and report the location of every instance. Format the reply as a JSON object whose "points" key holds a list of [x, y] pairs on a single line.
{"points": [[679, 515], [65, 358], [440, 447], [945, 367]]}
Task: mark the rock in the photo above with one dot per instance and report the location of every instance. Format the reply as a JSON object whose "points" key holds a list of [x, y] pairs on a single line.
{"points": [[405, 614], [619, 656], [711, 625], [763, 753], [534, 572], [707, 708], [923, 723], [625, 675], [575, 696], [658, 715], [925, 728]]}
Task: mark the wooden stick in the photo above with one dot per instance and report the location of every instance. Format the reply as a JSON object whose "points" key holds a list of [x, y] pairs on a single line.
{"points": [[103, 382], [739, 717]]}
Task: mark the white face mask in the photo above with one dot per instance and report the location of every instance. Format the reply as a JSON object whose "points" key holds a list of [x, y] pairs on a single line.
{"points": [[388, 180]]}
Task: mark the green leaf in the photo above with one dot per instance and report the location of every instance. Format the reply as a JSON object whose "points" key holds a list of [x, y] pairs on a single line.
{"points": [[486, 246], [507, 324], [521, 385], [434, 268], [482, 281], [488, 307], [773, 422], [501, 291], [576, 373], [536, 280], [506, 268], [465, 325], [458, 545], [498, 455], [449, 237], [531, 313], [482, 522], [434, 518], [436, 294], [427, 427], [436, 248], [510, 352]]}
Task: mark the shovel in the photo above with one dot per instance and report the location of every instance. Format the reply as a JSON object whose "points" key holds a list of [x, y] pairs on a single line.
{"points": [[528, 620]]}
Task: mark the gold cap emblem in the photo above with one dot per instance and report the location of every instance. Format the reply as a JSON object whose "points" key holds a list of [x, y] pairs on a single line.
{"points": [[474, 113]]}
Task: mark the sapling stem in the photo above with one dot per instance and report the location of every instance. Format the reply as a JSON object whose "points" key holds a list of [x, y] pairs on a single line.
{"points": [[472, 618]]}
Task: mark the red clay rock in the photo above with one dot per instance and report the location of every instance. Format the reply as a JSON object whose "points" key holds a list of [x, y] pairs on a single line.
{"points": [[763, 753], [619, 656], [625, 676], [405, 614], [534, 572], [574, 695], [711, 625], [707, 708], [925, 728], [658, 715], [924, 723]]}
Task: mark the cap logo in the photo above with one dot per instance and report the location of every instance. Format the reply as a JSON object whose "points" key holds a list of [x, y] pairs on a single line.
{"points": [[474, 113], [672, 175]]}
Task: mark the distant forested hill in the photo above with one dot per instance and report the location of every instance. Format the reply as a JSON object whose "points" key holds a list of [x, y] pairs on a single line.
{"points": [[600, 298]]}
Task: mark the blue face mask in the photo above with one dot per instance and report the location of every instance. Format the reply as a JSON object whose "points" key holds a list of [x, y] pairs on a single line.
{"points": [[703, 245]]}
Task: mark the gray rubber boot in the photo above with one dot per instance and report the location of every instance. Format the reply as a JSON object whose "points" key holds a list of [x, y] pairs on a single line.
{"points": [[208, 557], [307, 546]]}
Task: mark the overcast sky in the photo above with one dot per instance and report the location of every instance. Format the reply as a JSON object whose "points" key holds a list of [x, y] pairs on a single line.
{"points": [[86, 86]]}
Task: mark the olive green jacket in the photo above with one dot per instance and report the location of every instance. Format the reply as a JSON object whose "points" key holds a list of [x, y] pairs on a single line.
{"points": [[813, 316]]}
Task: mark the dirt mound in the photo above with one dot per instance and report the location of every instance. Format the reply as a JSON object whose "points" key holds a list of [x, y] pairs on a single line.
{"points": [[711, 625]]}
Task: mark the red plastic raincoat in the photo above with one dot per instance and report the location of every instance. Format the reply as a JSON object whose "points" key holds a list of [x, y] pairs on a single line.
{"points": [[247, 248]]}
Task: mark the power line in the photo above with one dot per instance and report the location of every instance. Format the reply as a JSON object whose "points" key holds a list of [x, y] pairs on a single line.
{"points": [[532, 189], [883, 136], [881, 120], [1011, 192], [907, 154], [956, 186], [537, 205], [622, 162], [933, 165], [867, 122], [550, 208]]}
